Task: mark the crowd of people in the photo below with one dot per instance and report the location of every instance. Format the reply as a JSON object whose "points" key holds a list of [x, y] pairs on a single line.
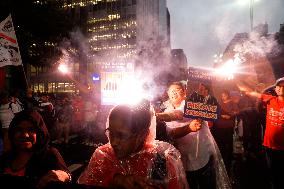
{"points": [[148, 146], [63, 114]]}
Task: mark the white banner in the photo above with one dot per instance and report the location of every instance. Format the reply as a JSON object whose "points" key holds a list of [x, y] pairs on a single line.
{"points": [[9, 49]]}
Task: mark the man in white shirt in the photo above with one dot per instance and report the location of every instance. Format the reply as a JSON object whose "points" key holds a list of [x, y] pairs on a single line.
{"points": [[199, 153]]}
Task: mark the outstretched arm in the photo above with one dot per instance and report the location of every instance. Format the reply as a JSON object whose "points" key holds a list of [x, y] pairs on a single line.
{"points": [[178, 132], [246, 89], [170, 116]]}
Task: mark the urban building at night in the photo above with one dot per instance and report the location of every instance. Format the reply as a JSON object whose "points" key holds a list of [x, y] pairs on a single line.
{"points": [[116, 34]]}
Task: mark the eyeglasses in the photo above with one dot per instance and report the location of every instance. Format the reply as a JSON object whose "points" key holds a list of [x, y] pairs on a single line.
{"points": [[119, 135], [178, 90]]}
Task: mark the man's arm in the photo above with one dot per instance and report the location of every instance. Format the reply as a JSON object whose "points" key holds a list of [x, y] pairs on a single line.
{"points": [[247, 90], [179, 132], [170, 116]]}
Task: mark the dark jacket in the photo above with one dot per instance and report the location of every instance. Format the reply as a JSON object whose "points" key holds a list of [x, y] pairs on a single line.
{"points": [[45, 157]]}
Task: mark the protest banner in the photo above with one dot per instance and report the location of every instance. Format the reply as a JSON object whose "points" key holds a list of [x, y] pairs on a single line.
{"points": [[200, 101]]}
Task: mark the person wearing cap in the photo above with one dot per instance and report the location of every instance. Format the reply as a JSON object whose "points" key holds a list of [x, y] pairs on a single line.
{"points": [[274, 131]]}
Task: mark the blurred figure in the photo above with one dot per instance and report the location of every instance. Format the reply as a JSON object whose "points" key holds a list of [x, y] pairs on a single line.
{"points": [[29, 102], [6, 116], [78, 114], [64, 119], [30, 155], [47, 111], [17, 105], [90, 117], [224, 128], [200, 155], [133, 159]]}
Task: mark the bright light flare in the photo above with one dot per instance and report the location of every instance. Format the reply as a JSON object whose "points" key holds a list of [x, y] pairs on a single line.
{"points": [[63, 68], [218, 58], [131, 91], [229, 68]]}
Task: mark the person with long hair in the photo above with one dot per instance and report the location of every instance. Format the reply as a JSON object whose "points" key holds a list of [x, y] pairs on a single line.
{"points": [[30, 155]]}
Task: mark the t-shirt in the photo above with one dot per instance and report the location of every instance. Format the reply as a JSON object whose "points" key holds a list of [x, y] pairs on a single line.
{"points": [[6, 115], [195, 146], [274, 132]]}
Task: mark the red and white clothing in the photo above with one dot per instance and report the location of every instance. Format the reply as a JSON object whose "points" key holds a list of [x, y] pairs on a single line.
{"points": [[274, 132], [6, 115], [104, 165]]}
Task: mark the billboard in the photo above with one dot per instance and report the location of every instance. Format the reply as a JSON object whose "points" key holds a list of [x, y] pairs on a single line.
{"points": [[114, 79]]}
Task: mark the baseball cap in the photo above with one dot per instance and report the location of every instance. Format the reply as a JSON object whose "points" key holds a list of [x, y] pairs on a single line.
{"points": [[278, 81]]}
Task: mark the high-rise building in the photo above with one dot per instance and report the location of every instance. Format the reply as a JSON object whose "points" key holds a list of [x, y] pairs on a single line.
{"points": [[119, 35], [119, 31], [178, 58]]}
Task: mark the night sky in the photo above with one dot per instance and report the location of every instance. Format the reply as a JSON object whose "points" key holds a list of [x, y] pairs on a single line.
{"points": [[204, 27]]}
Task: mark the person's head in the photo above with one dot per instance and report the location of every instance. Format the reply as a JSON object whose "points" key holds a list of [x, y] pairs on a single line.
{"points": [[279, 87], [29, 93], [176, 92], [65, 101], [225, 95], [203, 89], [44, 98], [128, 128], [28, 132]]}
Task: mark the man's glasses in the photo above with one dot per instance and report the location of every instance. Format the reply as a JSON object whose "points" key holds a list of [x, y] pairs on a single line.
{"points": [[175, 91], [119, 135]]}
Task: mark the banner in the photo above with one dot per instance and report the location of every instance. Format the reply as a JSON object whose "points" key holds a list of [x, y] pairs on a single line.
{"points": [[200, 101], [9, 49]]}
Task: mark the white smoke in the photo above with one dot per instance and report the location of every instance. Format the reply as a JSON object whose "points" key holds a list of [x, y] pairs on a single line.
{"points": [[258, 46]]}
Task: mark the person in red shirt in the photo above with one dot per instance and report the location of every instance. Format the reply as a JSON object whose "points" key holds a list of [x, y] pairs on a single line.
{"points": [[78, 114], [274, 132]]}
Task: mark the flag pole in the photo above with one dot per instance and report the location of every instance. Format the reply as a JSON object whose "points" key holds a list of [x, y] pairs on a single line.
{"points": [[27, 84], [25, 76]]}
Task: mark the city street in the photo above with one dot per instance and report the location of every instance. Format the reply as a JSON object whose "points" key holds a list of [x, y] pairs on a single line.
{"points": [[195, 74]]}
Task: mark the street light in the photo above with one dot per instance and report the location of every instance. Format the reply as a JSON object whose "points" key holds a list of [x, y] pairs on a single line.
{"points": [[251, 2], [63, 68], [251, 6]]}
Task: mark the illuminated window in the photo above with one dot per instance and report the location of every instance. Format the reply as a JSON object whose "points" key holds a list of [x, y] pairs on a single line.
{"points": [[33, 71], [38, 87]]}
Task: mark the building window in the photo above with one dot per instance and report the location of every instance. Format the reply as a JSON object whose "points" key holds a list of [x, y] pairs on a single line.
{"points": [[38, 87], [33, 71]]}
